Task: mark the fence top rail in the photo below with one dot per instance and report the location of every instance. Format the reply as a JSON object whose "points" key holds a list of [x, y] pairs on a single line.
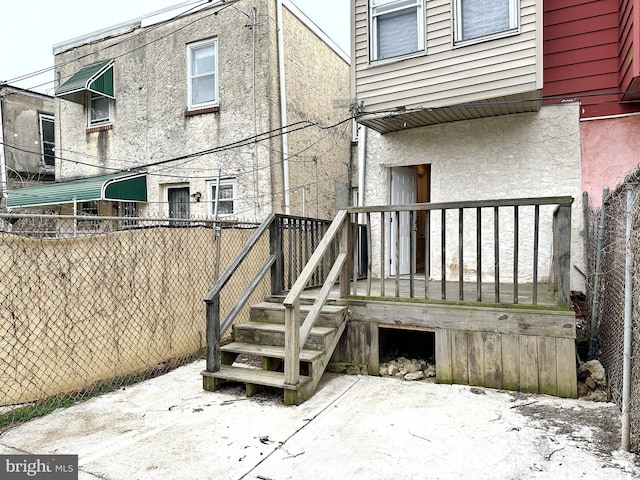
{"points": [[514, 202], [106, 218]]}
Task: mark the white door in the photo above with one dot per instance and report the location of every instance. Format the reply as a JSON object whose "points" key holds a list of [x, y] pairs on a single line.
{"points": [[403, 191]]}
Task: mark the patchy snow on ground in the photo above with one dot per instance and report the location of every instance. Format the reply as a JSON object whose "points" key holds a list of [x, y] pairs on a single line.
{"points": [[354, 427]]}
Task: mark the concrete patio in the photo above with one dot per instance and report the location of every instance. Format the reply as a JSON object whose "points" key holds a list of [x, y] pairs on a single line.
{"points": [[353, 427]]}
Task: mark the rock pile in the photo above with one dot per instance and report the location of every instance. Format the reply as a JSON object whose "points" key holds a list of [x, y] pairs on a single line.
{"points": [[592, 381], [408, 369]]}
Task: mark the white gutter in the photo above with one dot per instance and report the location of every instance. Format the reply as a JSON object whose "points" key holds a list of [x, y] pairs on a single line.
{"points": [[283, 108], [628, 329], [3, 166]]}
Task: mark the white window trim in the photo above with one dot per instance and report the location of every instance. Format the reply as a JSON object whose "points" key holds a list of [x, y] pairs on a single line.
{"points": [[166, 189], [373, 34], [514, 24], [109, 121], [44, 116], [223, 183], [216, 76]]}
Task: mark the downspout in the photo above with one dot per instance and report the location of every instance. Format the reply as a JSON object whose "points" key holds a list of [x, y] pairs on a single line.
{"points": [[628, 322], [254, 25], [362, 161], [3, 163], [283, 107]]}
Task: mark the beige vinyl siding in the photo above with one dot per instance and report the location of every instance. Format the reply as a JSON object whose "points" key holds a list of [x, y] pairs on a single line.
{"points": [[447, 74]]}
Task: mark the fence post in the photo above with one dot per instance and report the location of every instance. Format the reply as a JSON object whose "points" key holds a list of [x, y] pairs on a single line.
{"points": [[275, 248], [562, 233]]}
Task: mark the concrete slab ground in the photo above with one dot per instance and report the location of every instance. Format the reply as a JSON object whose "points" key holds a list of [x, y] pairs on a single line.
{"points": [[354, 427]]}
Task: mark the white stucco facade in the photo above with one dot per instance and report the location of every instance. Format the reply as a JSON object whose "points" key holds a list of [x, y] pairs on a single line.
{"points": [[504, 157], [153, 128]]}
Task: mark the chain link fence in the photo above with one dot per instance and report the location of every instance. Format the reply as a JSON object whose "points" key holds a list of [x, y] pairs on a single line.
{"points": [[88, 305], [611, 285]]}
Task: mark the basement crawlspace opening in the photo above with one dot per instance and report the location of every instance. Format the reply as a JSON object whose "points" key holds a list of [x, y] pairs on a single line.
{"points": [[411, 343]]}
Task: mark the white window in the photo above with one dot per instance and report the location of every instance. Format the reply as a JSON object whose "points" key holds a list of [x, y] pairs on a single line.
{"points": [[99, 109], [178, 201], [203, 73], [397, 28], [227, 199], [484, 18], [47, 140]]}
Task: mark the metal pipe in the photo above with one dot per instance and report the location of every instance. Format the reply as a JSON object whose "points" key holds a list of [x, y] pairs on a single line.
{"points": [[3, 167], [362, 162], [283, 108], [595, 301], [628, 322]]}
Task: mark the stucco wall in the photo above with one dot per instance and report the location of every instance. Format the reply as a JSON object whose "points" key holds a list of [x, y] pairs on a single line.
{"points": [[150, 125], [21, 129], [515, 156], [318, 90], [610, 150]]}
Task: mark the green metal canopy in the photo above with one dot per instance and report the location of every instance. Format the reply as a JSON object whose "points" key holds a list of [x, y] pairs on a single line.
{"points": [[97, 78], [122, 187]]}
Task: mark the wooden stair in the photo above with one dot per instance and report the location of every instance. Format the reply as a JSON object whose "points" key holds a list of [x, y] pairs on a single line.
{"points": [[263, 336]]}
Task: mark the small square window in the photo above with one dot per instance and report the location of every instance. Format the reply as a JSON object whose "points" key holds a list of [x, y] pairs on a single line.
{"points": [[477, 19], [397, 28], [99, 109], [226, 200], [203, 73]]}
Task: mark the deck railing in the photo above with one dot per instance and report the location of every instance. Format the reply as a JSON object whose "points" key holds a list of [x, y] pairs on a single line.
{"points": [[291, 242], [468, 242]]}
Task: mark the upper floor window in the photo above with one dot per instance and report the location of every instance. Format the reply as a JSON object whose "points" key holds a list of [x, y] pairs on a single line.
{"points": [[397, 28], [203, 73], [99, 109], [482, 18], [47, 140], [226, 200]]}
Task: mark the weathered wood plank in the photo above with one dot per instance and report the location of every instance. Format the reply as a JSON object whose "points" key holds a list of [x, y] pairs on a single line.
{"points": [[528, 364], [459, 357], [547, 366], [563, 253], [475, 353], [510, 362], [443, 356], [492, 360], [567, 378], [520, 321]]}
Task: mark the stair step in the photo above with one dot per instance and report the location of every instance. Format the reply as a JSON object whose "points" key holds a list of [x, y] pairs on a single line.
{"points": [[254, 376], [273, 334], [270, 351], [330, 315]]}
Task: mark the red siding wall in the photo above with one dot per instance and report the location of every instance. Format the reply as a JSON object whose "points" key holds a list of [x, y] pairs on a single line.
{"points": [[629, 41], [582, 55]]}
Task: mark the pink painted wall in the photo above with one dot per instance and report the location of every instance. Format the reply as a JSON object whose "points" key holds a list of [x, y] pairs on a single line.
{"points": [[610, 150]]}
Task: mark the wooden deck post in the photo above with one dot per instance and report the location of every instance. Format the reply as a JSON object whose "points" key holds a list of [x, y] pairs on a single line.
{"points": [[562, 233], [343, 247], [292, 343]]}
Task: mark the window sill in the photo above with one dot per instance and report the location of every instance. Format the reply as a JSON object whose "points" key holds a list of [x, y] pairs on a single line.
{"points": [[99, 128], [201, 111]]}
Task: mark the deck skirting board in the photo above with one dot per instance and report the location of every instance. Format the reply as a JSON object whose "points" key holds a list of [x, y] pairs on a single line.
{"points": [[514, 349]]}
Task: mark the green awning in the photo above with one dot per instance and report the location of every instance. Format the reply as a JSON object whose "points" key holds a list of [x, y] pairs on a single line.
{"points": [[97, 77], [118, 187]]}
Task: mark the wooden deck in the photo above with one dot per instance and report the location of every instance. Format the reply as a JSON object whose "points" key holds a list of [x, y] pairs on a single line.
{"points": [[522, 347]]}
